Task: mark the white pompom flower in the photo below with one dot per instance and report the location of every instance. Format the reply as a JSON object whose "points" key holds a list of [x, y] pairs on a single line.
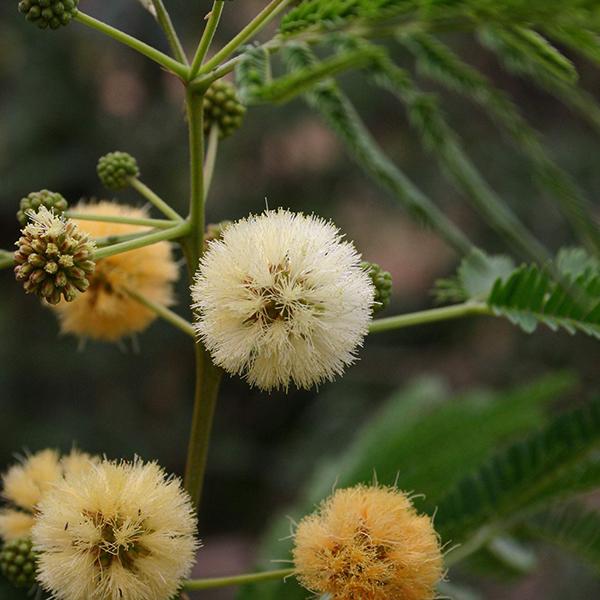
{"points": [[282, 298]]}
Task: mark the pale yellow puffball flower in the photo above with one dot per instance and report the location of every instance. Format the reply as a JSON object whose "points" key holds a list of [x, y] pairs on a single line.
{"points": [[281, 298], [121, 531], [368, 543], [24, 485], [106, 311]]}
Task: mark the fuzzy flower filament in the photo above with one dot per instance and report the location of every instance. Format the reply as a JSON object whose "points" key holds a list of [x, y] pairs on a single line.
{"points": [[123, 531], [281, 298], [368, 543]]}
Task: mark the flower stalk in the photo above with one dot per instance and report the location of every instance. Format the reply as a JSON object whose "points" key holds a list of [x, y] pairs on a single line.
{"points": [[165, 313], [207, 36], [148, 51], [218, 582], [165, 22], [154, 199], [155, 223], [211, 157], [430, 316]]}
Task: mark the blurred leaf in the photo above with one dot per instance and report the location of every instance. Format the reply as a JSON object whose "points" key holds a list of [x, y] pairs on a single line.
{"points": [[517, 481]]}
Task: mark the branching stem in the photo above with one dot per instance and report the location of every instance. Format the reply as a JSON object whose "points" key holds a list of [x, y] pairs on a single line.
{"points": [[170, 64], [156, 223]]}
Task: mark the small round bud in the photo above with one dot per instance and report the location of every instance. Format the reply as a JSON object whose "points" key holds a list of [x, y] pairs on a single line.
{"points": [[54, 258], [18, 562], [53, 201], [214, 231], [222, 108], [116, 169], [382, 280], [49, 13]]}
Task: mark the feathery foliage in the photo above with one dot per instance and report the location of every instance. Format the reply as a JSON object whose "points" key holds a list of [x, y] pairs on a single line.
{"points": [[341, 116], [519, 479]]}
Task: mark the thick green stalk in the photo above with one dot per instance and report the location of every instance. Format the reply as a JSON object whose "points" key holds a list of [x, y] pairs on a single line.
{"points": [[162, 15], [207, 36], [208, 376], [261, 20], [157, 56], [217, 582], [179, 231], [163, 312], [156, 223], [430, 316], [154, 199]]}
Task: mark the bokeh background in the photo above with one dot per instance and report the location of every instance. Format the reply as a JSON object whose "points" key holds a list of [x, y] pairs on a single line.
{"points": [[68, 97]]}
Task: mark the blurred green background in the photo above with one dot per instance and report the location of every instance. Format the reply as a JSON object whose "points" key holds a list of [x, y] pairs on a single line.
{"points": [[68, 97]]}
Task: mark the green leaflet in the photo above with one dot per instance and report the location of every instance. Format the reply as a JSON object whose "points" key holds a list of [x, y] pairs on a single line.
{"points": [[341, 116], [530, 296], [517, 481]]}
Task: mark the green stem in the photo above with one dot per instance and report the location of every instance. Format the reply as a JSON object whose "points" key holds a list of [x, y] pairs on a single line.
{"points": [[165, 22], [154, 199], [157, 56], [217, 582], [6, 259], [211, 157], [208, 378], [178, 231], [207, 36], [261, 20], [165, 313], [430, 316], [156, 223], [110, 240], [195, 114]]}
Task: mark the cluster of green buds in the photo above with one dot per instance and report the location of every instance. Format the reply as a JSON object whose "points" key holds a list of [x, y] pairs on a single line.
{"points": [[49, 13], [116, 169], [53, 201], [54, 258], [222, 108], [382, 280], [18, 562]]}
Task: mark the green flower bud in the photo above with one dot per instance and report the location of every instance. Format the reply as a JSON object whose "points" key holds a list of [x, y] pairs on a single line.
{"points": [[53, 201], [214, 231], [49, 13], [382, 280], [54, 258], [116, 169], [222, 108], [18, 562]]}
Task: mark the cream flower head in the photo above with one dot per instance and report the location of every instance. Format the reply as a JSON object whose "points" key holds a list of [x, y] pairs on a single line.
{"points": [[282, 298], [24, 485], [368, 543], [121, 531], [106, 311]]}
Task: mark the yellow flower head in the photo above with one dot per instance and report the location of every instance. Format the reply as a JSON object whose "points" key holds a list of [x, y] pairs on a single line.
{"points": [[24, 485], [368, 543], [106, 312], [121, 531], [282, 298]]}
